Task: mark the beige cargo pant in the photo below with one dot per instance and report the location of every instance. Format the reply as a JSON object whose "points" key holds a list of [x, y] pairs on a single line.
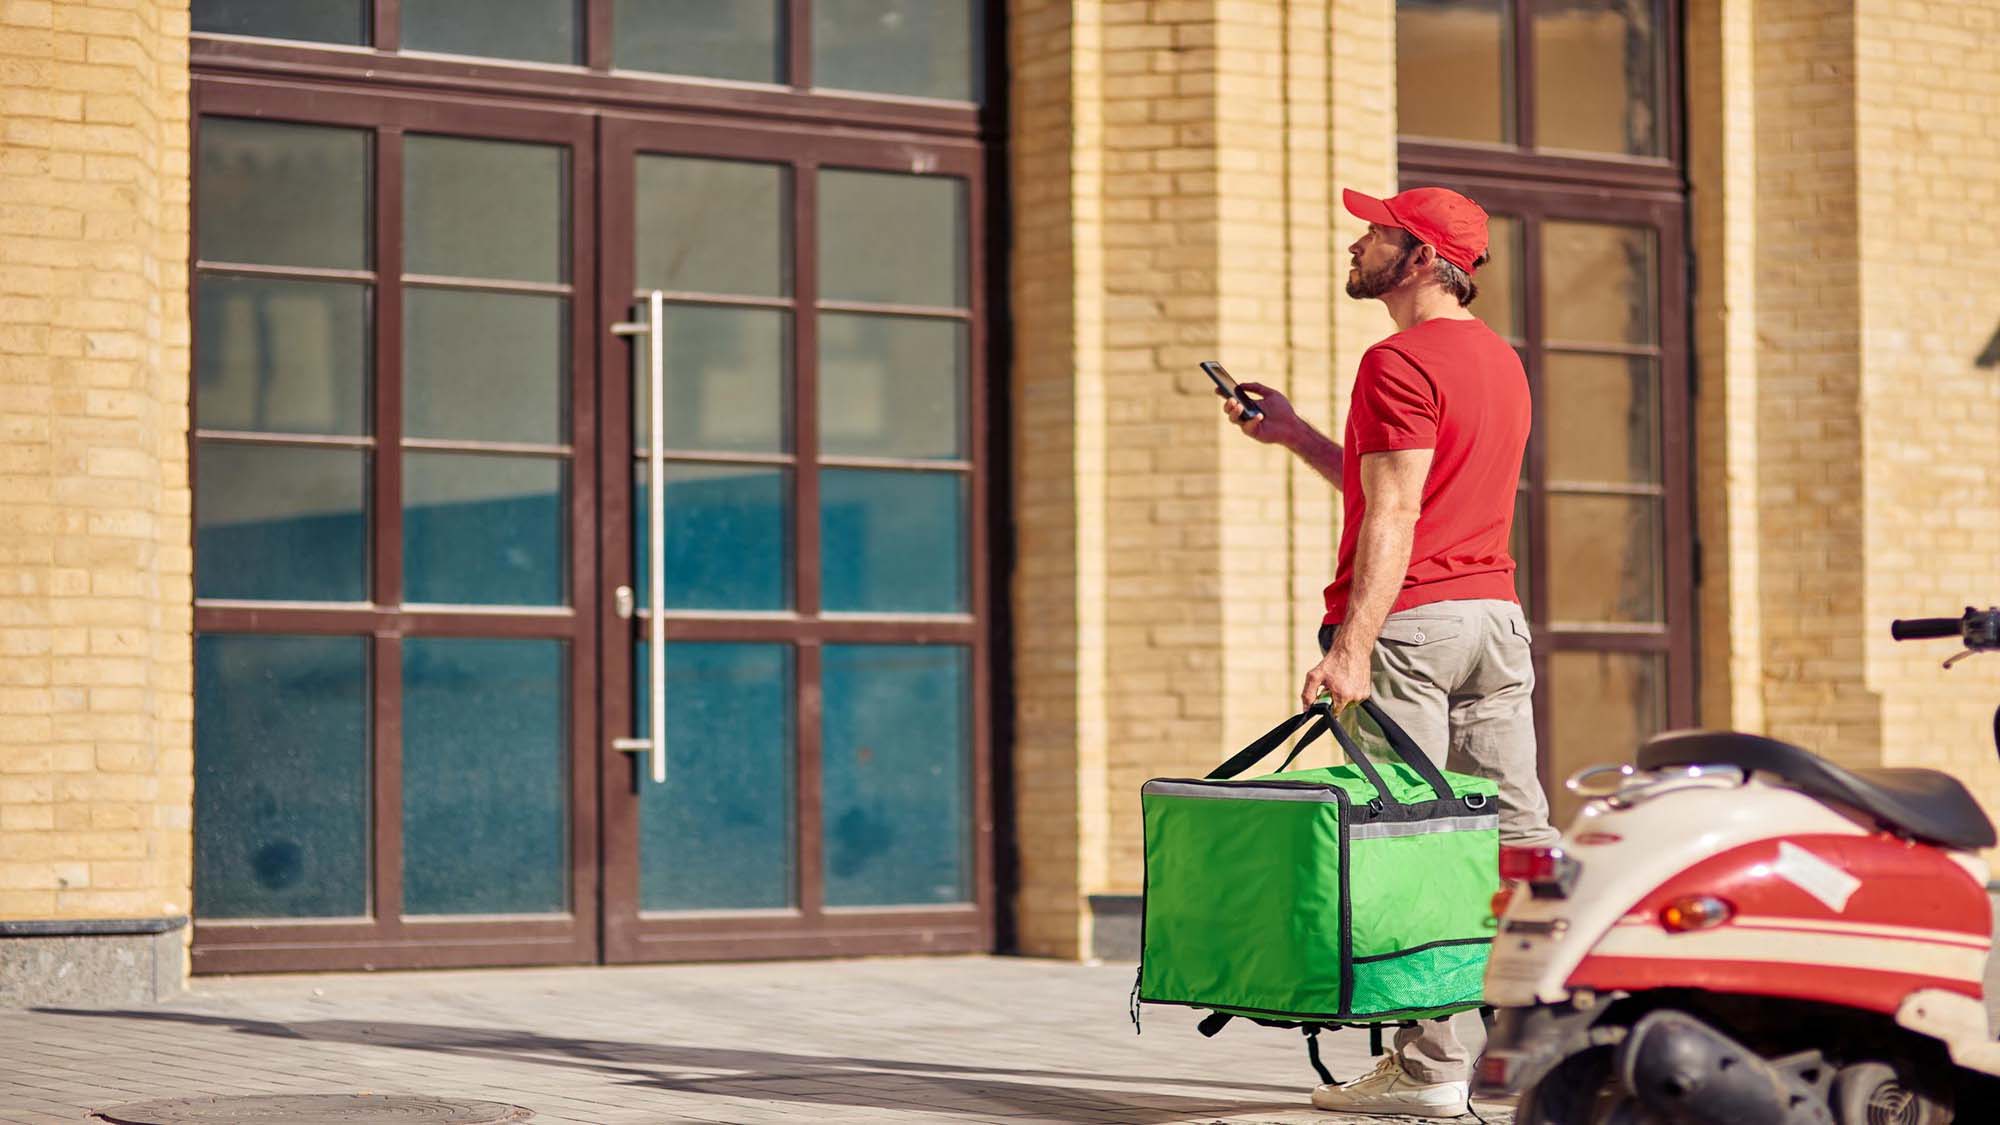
{"points": [[1458, 677]]}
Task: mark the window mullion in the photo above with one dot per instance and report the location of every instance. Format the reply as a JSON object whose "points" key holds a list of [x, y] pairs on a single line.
{"points": [[386, 25], [387, 542]]}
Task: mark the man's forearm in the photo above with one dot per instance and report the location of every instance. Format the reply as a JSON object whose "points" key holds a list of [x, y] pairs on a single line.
{"points": [[1381, 559], [1316, 449]]}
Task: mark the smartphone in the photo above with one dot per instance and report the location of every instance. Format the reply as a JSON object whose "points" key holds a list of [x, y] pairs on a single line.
{"points": [[1228, 386]]}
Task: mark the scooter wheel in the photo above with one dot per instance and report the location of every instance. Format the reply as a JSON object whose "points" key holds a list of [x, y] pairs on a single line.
{"points": [[1583, 1089], [1875, 1093]]}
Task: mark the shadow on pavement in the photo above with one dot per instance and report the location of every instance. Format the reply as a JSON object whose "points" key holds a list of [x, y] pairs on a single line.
{"points": [[774, 1076]]}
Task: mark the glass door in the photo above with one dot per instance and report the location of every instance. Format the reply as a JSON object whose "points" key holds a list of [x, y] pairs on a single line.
{"points": [[1588, 290], [393, 489], [792, 543]]}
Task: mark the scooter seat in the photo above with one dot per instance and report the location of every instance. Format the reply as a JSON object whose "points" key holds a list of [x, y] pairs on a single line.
{"points": [[1924, 804]]}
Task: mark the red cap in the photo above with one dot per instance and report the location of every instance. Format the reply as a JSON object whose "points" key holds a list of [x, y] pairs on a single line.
{"points": [[1442, 219]]}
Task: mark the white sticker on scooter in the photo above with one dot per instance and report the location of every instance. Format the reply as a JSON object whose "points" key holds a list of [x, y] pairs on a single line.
{"points": [[1814, 876]]}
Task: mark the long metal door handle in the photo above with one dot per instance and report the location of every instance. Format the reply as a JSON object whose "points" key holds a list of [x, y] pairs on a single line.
{"points": [[656, 536]]}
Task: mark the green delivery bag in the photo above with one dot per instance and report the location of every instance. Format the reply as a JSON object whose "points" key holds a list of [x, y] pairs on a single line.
{"points": [[1354, 894]]}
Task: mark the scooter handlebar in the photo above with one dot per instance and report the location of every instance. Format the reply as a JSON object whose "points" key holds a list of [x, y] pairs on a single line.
{"points": [[1926, 628]]}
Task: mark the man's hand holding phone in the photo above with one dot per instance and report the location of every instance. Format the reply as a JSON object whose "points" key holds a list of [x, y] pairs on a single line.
{"points": [[1275, 421], [1267, 416]]}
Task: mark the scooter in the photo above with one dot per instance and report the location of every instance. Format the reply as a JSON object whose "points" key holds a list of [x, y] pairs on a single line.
{"points": [[1736, 931]]}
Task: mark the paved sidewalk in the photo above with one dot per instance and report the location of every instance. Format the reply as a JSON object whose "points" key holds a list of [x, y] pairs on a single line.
{"points": [[894, 1041]]}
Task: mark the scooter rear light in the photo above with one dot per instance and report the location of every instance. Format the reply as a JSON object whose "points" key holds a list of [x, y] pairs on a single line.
{"points": [[1695, 912], [1549, 872]]}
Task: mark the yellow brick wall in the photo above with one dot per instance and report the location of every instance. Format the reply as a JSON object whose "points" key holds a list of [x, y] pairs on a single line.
{"points": [[1057, 386], [1847, 472], [96, 767], [1927, 123], [1168, 574], [1722, 166]]}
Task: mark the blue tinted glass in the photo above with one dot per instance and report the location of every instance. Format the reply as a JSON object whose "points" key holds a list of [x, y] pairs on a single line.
{"points": [[894, 774], [281, 523], [718, 834], [485, 777], [725, 537], [483, 530], [892, 542], [281, 777]]}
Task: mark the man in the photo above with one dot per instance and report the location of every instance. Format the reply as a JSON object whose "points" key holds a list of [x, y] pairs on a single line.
{"points": [[1422, 613]]}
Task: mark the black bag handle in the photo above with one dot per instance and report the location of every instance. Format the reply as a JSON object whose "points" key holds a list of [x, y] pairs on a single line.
{"points": [[1272, 739], [1250, 755], [1362, 762], [1407, 749]]}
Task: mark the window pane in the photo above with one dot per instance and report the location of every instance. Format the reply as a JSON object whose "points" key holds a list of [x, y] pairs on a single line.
{"points": [[1603, 420], [1604, 559], [323, 21], [1455, 70], [726, 540], [277, 194], [1605, 704], [719, 834], [485, 366], [739, 39], [895, 773], [728, 377], [1598, 283], [1500, 280], [281, 356], [714, 226], [281, 523], [893, 238], [892, 386], [533, 30], [483, 530], [485, 777], [1597, 86], [892, 542], [922, 48], [484, 209], [281, 785]]}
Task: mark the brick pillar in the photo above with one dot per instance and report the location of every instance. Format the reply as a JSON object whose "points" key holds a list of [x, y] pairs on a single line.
{"points": [[1722, 159], [96, 766], [1843, 159], [1172, 204], [1811, 555], [1927, 172], [1059, 469]]}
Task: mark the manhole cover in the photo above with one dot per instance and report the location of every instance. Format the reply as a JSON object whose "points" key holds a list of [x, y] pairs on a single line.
{"points": [[315, 1109]]}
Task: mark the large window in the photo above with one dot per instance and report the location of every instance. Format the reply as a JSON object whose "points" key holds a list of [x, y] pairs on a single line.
{"points": [[907, 48], [1558, 117]]}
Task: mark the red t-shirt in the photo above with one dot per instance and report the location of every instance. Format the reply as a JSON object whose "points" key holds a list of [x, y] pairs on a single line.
{"points": [[1455, 387]]}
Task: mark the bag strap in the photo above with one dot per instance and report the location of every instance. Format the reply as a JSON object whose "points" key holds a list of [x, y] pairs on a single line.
{"points": [[1407, 749], [1272, 739], [1361, 762]]}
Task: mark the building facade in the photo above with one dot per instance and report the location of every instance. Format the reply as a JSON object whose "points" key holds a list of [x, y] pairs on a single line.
{"points": [[410, 407]]}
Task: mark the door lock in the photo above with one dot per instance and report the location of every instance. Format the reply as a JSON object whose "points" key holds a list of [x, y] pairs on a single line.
{"points": [[624, 602]]}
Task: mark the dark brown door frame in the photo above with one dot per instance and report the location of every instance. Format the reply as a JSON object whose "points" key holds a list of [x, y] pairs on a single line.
{"points": [[812, 928], [386, 939], [1522, 180], [1664, 213]]}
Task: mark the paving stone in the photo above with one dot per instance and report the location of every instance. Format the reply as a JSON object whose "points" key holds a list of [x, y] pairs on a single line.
{"points": [[895, 1041]]}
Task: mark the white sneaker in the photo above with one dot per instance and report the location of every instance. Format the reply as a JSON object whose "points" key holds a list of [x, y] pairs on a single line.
{"points": [[1389, 1089]]}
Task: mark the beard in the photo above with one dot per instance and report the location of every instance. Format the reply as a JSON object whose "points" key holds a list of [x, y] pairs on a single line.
{"points": [[1369, 284]]}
